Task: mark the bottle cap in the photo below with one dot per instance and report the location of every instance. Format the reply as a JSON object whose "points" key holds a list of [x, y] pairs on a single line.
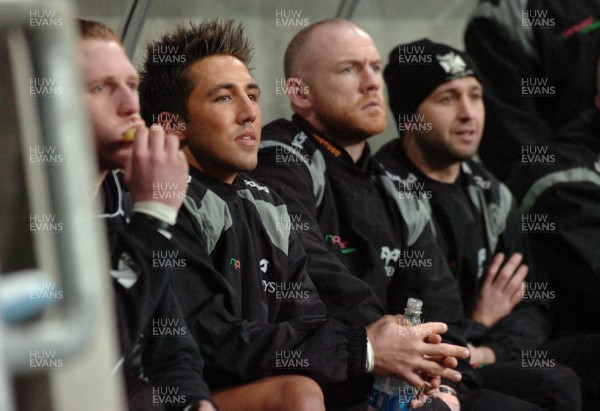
{"points": [[414, 305]]}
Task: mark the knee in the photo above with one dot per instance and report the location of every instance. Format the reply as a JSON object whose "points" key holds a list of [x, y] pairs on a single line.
{"points": [[296, 392], [567, 386], [565, 378]]}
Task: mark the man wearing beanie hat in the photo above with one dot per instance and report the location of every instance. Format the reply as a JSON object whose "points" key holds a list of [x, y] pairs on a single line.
{"points": [[424, 66], [439, 106]]}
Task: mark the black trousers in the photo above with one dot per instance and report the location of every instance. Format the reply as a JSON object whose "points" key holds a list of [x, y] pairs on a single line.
{"points": [[544, 383], [582, 354], [486, 400]]}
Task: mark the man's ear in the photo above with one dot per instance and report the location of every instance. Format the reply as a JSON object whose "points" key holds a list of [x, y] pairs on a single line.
{"points": [[173, 124], [298, 92]]}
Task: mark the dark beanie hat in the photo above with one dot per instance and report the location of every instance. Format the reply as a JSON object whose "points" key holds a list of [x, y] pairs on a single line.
{"points": [[416, 69]]}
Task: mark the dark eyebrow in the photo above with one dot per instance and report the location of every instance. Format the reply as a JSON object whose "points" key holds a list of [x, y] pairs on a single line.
{"points": [[229, 86]]}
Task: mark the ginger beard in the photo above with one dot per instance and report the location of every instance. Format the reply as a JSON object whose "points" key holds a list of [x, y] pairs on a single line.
{"points": [[352, 122], [343, 71]]}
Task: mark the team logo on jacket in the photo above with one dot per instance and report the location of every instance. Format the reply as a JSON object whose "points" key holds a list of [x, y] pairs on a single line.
{"points": [[235, 263], [337, 240], [299, 139], [389, 257], [264, 263], [254, 184], [484, 184], [126, 272]]}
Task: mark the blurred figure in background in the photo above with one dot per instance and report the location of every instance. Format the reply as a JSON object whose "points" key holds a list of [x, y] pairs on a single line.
{"points": [[560, 205], [537, 59]]}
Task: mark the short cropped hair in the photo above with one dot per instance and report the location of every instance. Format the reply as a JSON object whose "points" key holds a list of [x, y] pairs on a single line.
{"points": [[165, 83], [296, 48], [94, 30]]}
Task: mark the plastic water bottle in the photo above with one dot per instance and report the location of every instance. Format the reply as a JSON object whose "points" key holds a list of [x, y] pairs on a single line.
{"points": [[391, 394]]}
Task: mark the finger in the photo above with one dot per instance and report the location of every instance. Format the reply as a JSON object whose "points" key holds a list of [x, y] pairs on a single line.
{"points": [[515, 283], [517, 295], [427, 386], [140, 144], [449, 362], [171, 144], [433, 339], [434, 383], [426, 329], [494, 268], [157, 138], [445, 350], [434, 369], [431, 381], [509, 269]]}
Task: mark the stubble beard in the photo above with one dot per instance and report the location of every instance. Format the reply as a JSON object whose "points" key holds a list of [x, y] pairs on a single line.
{"points": [[350, 127]]}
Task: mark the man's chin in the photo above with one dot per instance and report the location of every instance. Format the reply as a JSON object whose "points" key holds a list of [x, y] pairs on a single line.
{"points": [[374, 124], [246, 168], [371, 130]]}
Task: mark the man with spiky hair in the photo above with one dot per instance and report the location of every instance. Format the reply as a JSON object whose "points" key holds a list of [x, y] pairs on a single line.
{"points": [[162, 373], [247, 296]]}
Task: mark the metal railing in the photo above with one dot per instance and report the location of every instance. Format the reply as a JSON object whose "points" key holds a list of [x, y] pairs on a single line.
{"points": [[73, 260]]}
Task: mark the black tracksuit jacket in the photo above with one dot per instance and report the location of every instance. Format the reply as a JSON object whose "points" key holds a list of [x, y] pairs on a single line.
{"points": [[161, 363], [538, 75], [565, 192], [246, 294], [381, 237]]}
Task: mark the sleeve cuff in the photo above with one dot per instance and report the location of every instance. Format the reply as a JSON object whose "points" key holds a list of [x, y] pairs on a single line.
{"points": [[370, 363], [474, 331], [357, 351], [157, 210]]}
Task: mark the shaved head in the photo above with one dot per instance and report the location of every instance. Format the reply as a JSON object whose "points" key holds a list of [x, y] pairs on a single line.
{"points": [[338, 65], [298, 54]]}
